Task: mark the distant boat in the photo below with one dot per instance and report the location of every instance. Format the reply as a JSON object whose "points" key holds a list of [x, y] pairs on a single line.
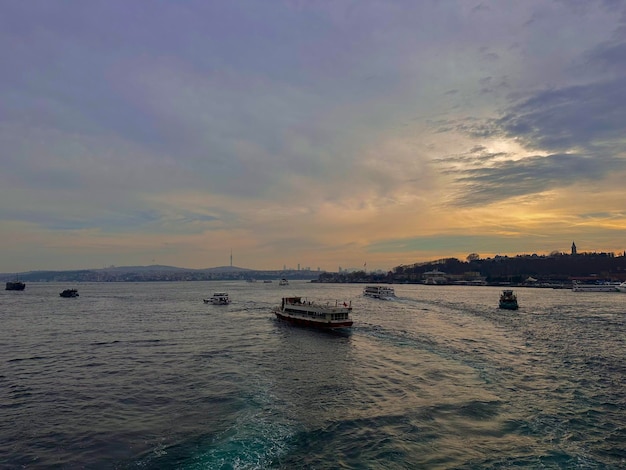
{"points": [[69, 293], [508, 300], [15, 285], [379, 292], [283, 282], [622, 287], [301, 312], [598, 286], [219, 298]]}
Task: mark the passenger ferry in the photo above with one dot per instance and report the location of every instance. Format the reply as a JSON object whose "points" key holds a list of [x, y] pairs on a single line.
{"points": [[379, 292], [302, 312], [596, 287], [219, 298], [15, 285]]}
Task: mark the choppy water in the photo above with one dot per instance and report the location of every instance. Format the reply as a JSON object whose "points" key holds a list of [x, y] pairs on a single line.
{"points": [[146, 376]]}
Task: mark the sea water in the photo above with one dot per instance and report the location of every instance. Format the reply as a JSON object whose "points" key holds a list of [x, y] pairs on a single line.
{"points": [[147, 376]]}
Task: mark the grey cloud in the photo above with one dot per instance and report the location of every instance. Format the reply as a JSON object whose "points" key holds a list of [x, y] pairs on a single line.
{"points": [[505, 179], [590, 116], [608, 56], [581, 117], [488, 55], [489, 85], [113, 220]]}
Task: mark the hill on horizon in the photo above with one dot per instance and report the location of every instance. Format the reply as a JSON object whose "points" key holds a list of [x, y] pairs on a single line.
{"points": [[131, 269], [161, 267]]}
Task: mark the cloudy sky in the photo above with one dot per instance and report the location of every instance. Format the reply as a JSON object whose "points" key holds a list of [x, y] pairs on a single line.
{"points": [[315, 133]]}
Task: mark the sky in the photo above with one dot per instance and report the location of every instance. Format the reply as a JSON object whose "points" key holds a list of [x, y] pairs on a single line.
{"points": [[319, 133]]}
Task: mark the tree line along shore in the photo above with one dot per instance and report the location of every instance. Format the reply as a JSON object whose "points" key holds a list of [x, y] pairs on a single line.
{"points": [[554, 270]]}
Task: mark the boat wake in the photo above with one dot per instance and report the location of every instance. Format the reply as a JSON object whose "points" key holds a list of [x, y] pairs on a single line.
{"points": [[254, 442], [256, 439]]}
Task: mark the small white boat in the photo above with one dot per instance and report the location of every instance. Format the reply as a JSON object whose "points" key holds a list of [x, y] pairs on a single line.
{"points": [[218, 298], [622, 287], [283, 282], [327, 315], [379, 292], [596, 287]]}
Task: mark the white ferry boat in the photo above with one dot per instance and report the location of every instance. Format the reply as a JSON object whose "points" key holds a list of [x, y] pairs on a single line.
{"points": [[379, 292], [301, 312], [219, 298], [596, 287]]}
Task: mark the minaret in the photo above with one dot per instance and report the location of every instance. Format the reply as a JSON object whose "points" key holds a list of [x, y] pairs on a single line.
{"points": [[573, 248], [231, 257]]}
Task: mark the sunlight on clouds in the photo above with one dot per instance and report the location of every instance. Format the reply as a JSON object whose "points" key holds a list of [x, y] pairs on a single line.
{"points": [[509, 149]]}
